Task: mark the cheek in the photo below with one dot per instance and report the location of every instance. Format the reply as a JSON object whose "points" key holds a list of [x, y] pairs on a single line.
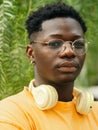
{"points": [[44, 58], [82, 59]]}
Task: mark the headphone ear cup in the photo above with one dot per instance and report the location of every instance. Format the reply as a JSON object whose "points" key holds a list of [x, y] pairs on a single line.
{"points": [[84, 102], [45, 96]]}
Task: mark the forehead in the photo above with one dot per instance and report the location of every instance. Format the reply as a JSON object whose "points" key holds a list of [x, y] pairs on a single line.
{"points": [[61, 26]]}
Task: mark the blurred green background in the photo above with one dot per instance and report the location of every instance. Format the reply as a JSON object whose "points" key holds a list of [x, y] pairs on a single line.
{"points": [[15, 68]]}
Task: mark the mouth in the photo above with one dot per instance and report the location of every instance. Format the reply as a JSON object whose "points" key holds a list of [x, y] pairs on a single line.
{"points": [[68, 67]]}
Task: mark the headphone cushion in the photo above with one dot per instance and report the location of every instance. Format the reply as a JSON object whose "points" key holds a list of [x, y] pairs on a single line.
{"points": [[45, 96], [84, 102]]}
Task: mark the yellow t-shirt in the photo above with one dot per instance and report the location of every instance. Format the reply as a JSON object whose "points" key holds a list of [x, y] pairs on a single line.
{"points": [[19, 112]]}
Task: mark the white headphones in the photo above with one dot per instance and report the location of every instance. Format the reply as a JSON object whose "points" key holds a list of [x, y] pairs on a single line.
{"points": [[46, 97]]}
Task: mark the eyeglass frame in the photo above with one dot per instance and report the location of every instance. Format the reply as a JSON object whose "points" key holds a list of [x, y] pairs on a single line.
{"points": [[64, 42]]}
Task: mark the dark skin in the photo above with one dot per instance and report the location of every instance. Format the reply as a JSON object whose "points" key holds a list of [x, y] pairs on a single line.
{"points": [[57, 68]]}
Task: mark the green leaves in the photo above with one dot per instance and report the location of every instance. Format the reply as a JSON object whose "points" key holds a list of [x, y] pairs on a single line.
{"points": [[13, 39]]}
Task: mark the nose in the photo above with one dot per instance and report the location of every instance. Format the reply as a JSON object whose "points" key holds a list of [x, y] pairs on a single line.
{"points": [[67, 51]]}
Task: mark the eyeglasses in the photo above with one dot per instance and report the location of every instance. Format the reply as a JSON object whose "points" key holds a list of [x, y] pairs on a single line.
{"points": [[78, 46]]}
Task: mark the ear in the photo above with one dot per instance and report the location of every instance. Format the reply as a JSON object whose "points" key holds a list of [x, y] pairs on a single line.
{"points": [[30, 53]]}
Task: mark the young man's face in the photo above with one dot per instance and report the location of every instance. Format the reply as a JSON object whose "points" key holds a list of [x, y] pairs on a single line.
{"points": [[57, 64]]}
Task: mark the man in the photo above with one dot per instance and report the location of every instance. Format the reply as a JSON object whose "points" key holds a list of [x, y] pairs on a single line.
{"points": [[57, 51]]}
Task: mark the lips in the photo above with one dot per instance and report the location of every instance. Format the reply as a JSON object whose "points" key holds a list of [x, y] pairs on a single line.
{"points": [[68, 67]]}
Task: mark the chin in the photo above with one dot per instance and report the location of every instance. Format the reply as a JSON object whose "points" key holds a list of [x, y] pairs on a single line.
{"points": [[64, 81], [67, 78]]}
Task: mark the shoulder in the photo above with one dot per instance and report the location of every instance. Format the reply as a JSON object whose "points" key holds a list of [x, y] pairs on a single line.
{"points": [[95, 106], [15, 109], [18, 102], [12, 102], [95, 109]]}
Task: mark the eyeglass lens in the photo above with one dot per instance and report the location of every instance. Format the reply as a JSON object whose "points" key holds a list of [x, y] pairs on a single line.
{"points": [[78, 46]]}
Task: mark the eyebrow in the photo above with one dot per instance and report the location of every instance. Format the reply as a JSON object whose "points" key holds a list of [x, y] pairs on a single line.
{"points": [[75, 36], [56, 35]]}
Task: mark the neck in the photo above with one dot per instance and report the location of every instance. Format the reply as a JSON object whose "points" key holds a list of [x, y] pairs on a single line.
{"points": [[64, 90], [65, 93]]}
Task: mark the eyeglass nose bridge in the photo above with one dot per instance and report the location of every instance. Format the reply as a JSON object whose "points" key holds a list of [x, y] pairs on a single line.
{"points": [[64, 46]]}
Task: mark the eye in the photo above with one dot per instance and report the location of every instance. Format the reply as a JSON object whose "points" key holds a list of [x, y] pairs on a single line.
{"points": [[55, 43], [79, 44]]}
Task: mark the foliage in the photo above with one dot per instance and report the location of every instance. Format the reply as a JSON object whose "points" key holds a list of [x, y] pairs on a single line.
{"points": [[15, 68]]}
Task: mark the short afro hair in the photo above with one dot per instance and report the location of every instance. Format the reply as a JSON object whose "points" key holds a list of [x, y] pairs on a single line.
{"points": [[50, 11]]}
